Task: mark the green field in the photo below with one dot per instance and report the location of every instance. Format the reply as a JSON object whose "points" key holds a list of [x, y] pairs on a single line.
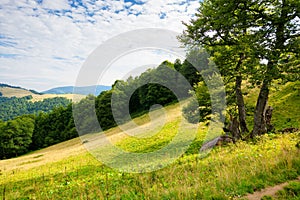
{"points": [[68, 171]]}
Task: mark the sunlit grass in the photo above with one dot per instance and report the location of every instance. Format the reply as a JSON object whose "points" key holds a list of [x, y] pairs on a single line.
{"points": [[67, 171], [230, 171]]}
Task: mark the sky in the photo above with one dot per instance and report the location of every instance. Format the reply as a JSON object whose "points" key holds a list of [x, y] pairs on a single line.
{"points": [[44, 43]]}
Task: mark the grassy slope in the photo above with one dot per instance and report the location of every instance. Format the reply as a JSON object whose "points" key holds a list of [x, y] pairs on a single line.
{"points": [[285, 101], [227, 172], [11, 92], [16, 92]]}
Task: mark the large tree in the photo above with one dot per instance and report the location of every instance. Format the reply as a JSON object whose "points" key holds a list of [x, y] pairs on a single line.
{"points": [[276, 42], [257, 41]]}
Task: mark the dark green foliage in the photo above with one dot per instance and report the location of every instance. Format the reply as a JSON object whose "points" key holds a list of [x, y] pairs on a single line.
{"points": [[10, 86], [200, 108], [54, 120], [54, 127], [13, 107], [103, 110], [84, 115], [16, 136], [29, 132], [189, 72], [35, 92], [162, 85]]}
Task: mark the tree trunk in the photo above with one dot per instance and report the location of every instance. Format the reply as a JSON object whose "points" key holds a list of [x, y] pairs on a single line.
{"points": [[268, 116], [259, 114], [271, 72], [234, 128], [239, 97], [241, 105]]}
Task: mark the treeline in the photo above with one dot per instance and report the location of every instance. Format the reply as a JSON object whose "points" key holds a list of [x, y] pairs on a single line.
{"points": [[16, 136], [30, 132], [162, 85], [13, 106]]}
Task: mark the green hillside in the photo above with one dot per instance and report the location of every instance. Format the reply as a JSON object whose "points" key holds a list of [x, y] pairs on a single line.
{"points": [[68, 171], [285, 102]]}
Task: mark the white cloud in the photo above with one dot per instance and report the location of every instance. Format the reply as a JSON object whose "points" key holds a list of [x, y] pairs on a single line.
{"points": [[132, 62], [52, 39], [56, 5]]}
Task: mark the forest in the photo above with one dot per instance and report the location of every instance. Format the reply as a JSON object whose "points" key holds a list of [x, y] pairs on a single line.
{"points": [[28, 126], [11, 107]]}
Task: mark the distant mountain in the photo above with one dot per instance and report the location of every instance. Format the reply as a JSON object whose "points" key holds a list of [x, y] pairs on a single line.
{"points": [[95, 90]]}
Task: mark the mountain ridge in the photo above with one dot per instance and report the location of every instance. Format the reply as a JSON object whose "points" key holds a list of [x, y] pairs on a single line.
{"points": [[84, 90]]}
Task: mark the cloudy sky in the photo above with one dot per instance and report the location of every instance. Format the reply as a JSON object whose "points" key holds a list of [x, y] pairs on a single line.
{"points": [[43, 43]]}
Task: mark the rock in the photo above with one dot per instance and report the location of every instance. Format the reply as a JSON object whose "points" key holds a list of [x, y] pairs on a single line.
{"points": [[217, 141]]}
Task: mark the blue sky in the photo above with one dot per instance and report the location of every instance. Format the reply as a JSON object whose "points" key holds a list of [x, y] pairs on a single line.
{"points": [[43, 43]]}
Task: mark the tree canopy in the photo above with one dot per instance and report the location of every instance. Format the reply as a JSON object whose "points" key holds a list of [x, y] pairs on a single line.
{"points": [[13, 106], [253, 41]]}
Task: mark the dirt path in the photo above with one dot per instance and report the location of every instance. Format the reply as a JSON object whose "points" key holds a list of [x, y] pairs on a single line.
{"points": [[270, 191]]}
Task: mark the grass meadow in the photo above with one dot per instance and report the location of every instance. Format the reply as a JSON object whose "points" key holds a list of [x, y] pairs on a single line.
{"points": [[68, 171]]}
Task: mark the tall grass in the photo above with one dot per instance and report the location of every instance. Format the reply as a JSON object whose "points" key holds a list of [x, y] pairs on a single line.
{"points": [[228, 172]]}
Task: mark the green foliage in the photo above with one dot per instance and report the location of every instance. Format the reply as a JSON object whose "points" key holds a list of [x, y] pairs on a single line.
{"points": [[189, 72], [249, 40], [103, 110], [198, 111], [83, 112], [13, 107], [54, 127], [191, 112], [137, 95], [229, 171], [16, 136], [202, 109], [54, 122]]}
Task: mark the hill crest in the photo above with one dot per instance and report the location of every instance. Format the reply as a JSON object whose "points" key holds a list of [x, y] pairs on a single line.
{"points": [[19, 92]]}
